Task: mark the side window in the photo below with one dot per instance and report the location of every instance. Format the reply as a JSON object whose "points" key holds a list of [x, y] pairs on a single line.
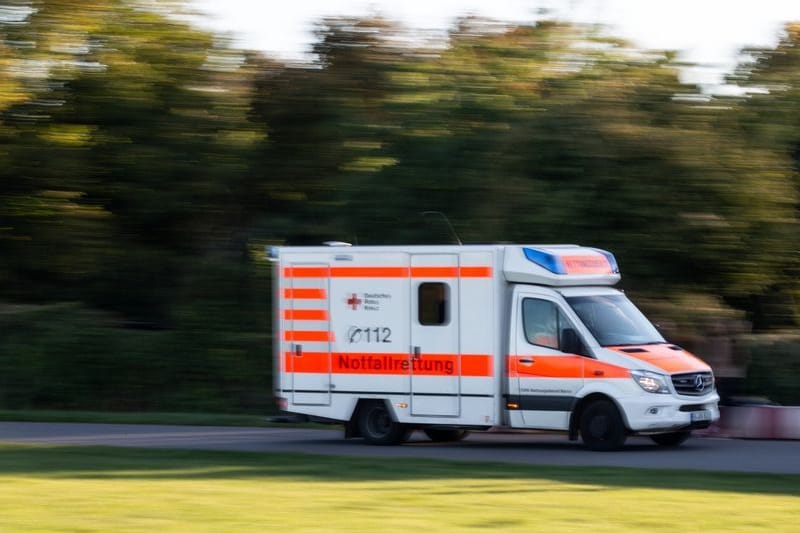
{"points": [[540, 320], [545, 325], [434, 304]]}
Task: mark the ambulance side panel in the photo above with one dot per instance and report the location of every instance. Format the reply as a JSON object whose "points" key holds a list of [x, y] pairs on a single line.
{"points": [[350, 328], [370, 322]]}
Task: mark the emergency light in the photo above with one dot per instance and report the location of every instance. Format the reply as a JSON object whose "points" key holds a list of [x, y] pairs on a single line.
{"points": [[565, 261], [545, 260]]}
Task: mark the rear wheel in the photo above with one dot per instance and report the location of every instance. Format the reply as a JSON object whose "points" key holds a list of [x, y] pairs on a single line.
{"points": [[602, 428], [445, 435], [377, 427], [671, 439]]}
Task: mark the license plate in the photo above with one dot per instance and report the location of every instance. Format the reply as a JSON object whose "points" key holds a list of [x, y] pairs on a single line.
{"points": [[701, 416]]}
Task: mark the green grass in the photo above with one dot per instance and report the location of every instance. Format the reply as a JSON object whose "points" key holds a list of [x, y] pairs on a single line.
{"points": [[118, 489]]}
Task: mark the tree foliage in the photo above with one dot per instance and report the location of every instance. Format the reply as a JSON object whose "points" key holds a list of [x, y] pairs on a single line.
{"points": [[143, 163]]}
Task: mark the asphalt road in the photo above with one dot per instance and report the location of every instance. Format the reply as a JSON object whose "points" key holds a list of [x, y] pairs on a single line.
{"points": [[703, 453]]}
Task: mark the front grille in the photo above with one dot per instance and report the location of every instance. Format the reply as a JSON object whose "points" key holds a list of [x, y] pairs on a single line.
{"points": [[693, 384], [693, 407]]}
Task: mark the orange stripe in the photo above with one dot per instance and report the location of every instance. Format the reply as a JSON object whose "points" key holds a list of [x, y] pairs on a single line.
{"points": [[452, 272], [305, 294], [592, 368], [434, 272], [665, 358], [305, 272], [545, 366], [475, 365], [346, 272], [676, 366], [305, 314], [308, 363], [389, 272], [369, 272], [322, 336], [563, 366], [476, 272]]}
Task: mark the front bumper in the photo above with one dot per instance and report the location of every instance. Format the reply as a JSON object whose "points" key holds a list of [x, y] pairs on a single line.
{"points": [[657, 413]]}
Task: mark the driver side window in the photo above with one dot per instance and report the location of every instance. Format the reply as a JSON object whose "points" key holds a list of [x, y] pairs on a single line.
{"points": [[545, 325]]}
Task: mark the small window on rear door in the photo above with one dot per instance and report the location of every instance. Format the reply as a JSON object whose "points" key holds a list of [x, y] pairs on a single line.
{"points": [[434, 304]]}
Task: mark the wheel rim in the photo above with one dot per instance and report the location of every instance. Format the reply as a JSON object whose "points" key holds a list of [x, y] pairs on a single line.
{"points": [[599, 427], [379, 423]]}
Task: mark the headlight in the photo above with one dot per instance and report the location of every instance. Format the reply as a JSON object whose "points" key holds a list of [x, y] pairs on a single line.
{"points": [[651, 381]]}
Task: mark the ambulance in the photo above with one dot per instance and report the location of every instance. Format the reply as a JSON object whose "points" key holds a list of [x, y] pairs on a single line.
{"points": [[450, 339]]}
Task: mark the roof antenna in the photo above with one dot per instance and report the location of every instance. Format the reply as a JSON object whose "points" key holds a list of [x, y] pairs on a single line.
{"points": [[447, 221]]}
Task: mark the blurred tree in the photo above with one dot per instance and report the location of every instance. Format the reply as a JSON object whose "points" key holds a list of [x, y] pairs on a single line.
{"points": [[324, 129], [143, 163], [38, 209], [546, 133], [629, 158], [768, 117], [126, 185], [136, 129]]}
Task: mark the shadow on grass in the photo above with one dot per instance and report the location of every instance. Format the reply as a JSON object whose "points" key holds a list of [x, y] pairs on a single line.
{"points": [[96, 462]]}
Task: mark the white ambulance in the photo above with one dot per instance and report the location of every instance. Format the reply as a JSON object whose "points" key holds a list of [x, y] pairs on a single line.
{"points": [[447, 339]]}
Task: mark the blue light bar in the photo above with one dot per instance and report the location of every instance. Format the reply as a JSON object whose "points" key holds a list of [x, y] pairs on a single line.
{"points": [[545, 260]]}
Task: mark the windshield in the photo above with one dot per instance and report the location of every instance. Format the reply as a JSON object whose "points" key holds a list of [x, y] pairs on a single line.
{"points": [[614, 320]]}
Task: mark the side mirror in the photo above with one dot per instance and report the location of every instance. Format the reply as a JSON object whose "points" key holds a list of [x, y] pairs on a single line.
{"points": [[570, 342]]}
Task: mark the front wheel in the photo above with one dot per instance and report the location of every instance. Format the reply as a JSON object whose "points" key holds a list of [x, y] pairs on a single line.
{"points": [[671, 439], [445, 435], [602, 428], [377, 426]]}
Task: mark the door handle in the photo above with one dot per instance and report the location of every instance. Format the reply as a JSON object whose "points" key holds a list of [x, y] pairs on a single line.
{"points": [[527, 361], [298, 350], [417, 352]]}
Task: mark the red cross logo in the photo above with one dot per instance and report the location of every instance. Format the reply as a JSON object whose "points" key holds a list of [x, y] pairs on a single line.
{"points": [[354, 301]]}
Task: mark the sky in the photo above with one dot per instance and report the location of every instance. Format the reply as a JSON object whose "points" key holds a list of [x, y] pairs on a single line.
{"points": [[707, 32]]}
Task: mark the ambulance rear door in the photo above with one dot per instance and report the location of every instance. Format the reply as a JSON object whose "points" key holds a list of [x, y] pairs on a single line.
{"points": [[435, 351], [307, 333]]}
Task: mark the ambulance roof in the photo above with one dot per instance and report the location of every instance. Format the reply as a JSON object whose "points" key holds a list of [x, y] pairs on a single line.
{"points": [[560, 265], [555, 265]]}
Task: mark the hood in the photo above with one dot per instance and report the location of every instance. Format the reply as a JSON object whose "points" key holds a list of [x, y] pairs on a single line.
{"points": [[669, 358]]}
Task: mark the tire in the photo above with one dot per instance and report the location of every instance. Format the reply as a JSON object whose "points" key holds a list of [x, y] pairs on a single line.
{"points": [[602, 428], [377, 427], [445, 435], [671, 439]]}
